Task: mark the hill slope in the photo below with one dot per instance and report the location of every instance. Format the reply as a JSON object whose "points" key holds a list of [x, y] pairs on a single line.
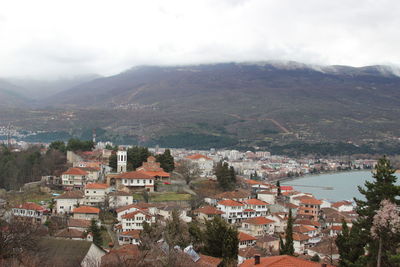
{"points": [[8, 95], [259, 101]]}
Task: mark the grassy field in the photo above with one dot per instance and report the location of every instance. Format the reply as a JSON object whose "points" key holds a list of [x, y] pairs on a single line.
{"points": [[19, 198]]}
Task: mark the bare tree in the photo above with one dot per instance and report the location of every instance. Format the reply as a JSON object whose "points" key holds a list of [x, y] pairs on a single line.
{"points": [[189, 170]]}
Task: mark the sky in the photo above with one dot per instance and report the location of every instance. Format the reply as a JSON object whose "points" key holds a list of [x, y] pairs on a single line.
{"points": [[57, 38]]}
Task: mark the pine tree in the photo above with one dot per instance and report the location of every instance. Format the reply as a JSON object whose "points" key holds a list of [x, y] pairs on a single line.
{"points": [[221, 240], [287, 248], [383, 187], [226, 176], [278, 184], [96, 233], [166, 161]]}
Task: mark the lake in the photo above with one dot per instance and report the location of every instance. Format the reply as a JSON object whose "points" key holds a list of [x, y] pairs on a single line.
{"points": [[333, 187]]}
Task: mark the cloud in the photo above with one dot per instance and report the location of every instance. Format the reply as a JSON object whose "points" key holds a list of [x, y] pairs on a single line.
{"points": [[59, 38]]}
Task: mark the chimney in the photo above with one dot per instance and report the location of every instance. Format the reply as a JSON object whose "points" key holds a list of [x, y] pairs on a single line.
{"points": [[323, 265], [256, 259]]}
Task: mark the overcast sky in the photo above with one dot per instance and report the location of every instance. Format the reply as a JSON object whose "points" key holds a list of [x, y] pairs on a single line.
{"points": [[63, 38]]}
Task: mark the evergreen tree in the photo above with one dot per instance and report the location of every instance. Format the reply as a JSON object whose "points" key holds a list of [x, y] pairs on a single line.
{"points": [[96, 233], [278, 184], [226, 176], [176, 232], [315, 258], [383, 187], [349, 245], [288, 248], [221, 240], [58, 145], [112, 162], [136, 156], [166, 161]]}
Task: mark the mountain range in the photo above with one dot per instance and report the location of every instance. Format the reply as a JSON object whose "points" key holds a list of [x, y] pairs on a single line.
{"points": [[259, 101]]}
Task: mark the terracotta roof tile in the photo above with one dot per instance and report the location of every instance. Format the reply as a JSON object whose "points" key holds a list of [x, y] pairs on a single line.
{"points": [[96, 186], [75, 171], [258, 221], [30, 206], [229, 202], [282, 261], [133, 233], [245, 237], [86, 209], [208, 261], [134, 175], [255, 201], [198, 156], [132, 214]]}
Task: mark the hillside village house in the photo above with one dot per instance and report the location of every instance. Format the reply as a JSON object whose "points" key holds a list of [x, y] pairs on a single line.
{"points": [[267, 196], [152, 168], [259, 207], [207, 213], [233, 210], [119, 199], [129, 237], [95, 194], [246, 240], [258, 226], [86, 213], [31, 211], [66, 202], [73, 178], [343, 206], [309, 207], [134, 220], [133, 181], [204, 163]]}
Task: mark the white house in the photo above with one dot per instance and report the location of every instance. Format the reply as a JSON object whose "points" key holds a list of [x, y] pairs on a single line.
{"points": [[267, 196], [95, 194], [66, 202], [74, 178], [205, 164], [86, 213], [135, 180], [30, 210], [246, 240], [129, 237], [343, 206], [119, 199], [233, 210], [258, 226], [134, 220]]}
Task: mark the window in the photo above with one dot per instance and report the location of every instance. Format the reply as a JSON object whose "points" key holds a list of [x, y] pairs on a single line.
{"points": [[151, 181], [138, 181]]}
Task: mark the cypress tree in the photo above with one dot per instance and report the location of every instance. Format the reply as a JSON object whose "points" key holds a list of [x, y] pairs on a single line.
{"points": [[95, 230], [288, 248], [278, 184]]}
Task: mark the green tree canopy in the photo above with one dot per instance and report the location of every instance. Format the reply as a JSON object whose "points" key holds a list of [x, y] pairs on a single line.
{"points": [[166, 161], [95, 230]]}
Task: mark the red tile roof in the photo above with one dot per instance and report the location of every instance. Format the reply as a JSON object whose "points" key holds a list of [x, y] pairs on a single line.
{"points": [[132, 214], [198, 156], [245, 237], [134, 175], [86, 209], [341, 203], [336, 227], [126, 207], [96, 186], [69, 233], [75, 171], [30, 206], [156, 173], [300, 237], [258, 221], [209, 210], [282, 261], [286, 187], [303, 228], [229, 202], [310, 201], [133, 233], [208, 261], [255, 201]]}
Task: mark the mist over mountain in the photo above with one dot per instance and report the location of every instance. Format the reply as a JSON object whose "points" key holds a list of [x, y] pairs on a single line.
{"points": [[9, 96], [38, 88]]}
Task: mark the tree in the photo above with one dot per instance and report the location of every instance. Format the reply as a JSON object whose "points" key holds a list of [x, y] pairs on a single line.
{"points": [[74, 144], [146, 196], [176, 231], [278, 184], [136, 156], [112, 162], [221, 240], [189, 170], [382, 187], [96, 233], [288, 248], [386, 225], [196, 235], [58, 145], [226, 176], [166, 161]]}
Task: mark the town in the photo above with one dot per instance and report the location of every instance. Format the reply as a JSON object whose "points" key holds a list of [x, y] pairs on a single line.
{"points": [[107, 207]]}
